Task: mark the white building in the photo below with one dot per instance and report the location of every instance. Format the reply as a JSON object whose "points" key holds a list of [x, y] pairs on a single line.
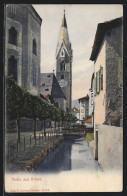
{"points": [[76, 113], [84, 108]]}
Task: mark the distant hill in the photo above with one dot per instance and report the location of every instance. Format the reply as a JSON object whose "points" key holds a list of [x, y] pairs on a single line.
{"points": [[75, 103]]}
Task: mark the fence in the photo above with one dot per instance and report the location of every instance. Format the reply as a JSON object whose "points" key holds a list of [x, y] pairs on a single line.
{"points": [[14, 148]]}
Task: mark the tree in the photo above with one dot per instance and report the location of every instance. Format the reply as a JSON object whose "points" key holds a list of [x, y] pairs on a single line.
{"points": [[44, 113], [55, 114], [63, 116], [16, 102], [33, 108]]}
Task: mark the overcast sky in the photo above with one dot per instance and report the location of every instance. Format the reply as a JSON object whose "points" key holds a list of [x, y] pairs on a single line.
{"points": [[82, 23]]}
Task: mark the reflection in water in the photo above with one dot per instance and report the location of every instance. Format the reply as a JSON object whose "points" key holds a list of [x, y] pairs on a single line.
{"points": [[67, 156]]}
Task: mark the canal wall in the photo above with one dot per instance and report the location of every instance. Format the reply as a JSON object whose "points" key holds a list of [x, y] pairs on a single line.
{"points": [[34, 162], [110, 147]]}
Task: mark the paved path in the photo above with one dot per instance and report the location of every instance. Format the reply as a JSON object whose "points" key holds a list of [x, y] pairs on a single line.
{"points": [[73, 154]]}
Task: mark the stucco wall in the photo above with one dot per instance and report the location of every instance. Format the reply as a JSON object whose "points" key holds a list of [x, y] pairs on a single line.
{"points": [[110, 147], [99, 99]]}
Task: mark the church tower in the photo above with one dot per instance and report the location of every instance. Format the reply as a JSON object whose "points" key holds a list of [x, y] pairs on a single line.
{"points": [[64, 63]]}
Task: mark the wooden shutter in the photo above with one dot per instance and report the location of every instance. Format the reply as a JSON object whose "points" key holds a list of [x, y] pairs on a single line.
{"points": [[101, 78], [95, 85], [98, 86]]}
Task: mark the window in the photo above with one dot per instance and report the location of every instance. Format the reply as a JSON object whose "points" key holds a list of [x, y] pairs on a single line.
{"points": [[62, 76], [12, 67], [99, 81], [34, 75], [101, 78], [43, 84], [91, 98], [34, 47], [48, 76], [46, 89], [12, 36], [82, 111], [62, 66]]}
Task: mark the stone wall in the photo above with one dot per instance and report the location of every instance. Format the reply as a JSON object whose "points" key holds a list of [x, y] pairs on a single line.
{"points": [[110, 147], [26, 125], [114, 77], [27, 24]]}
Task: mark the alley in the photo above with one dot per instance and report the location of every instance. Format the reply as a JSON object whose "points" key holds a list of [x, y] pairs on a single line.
{"points": [[73, 154]]}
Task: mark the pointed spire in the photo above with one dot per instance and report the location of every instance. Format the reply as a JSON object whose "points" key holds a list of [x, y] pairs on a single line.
{"points": [[64, 23]]}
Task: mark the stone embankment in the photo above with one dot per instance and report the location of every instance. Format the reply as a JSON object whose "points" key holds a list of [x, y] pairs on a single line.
{"points": [[34, 162]]}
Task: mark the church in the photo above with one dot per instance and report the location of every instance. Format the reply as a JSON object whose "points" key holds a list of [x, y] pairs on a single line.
{"points": [[64, 63], [22, 53], [59, 87], [22, 46]]}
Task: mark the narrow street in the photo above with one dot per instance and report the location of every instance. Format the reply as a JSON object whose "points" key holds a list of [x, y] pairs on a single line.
{"points": [[73, 154]]}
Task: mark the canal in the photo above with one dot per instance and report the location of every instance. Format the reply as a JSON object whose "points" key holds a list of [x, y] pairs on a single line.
{"points": [[72, 154]]}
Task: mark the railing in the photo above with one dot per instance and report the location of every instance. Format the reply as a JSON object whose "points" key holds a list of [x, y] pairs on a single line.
{"points": [[14, 148]]}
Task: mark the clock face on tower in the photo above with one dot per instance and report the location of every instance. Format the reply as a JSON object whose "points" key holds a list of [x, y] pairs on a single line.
{"points": [[63, 83]]}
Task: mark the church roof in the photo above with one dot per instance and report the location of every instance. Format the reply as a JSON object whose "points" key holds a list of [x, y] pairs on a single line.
{"points": [[64, 23], [50, 85]]}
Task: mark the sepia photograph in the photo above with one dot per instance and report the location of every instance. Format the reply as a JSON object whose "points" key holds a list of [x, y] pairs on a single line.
{"points": [[63, 69]]}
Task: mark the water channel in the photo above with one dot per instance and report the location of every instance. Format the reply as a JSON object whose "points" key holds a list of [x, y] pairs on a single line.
{"points": [[72, 154]]}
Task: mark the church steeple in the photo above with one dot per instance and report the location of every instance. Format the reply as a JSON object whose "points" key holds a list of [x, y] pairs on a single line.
{"points": [[63, 36], [64, 23], [64, 63]]}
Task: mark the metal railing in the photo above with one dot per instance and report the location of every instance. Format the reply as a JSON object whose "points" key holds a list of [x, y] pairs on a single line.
{"points": [[15, 148]]}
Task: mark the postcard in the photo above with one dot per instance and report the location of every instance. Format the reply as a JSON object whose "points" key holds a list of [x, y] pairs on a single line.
{"points": [[63, 98]]}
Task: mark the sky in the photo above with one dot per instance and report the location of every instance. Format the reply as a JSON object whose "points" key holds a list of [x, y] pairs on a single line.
{"points": [[82, 21]]}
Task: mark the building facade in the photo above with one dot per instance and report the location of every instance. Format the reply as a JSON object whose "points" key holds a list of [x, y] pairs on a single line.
{"points": [[22, 46], [107, 57], [108, 66], [84, 108], [64, 63], [76, 113]]}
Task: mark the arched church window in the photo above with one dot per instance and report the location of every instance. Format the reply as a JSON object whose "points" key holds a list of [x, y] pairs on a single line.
{"points": [[62, 76], [12, 67], [62, 66], [34, 47], [34, 75], [12, 36]]}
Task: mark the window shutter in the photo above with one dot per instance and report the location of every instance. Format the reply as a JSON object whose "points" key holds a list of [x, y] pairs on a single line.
{"points": [[95, 85], [98, 82], [101, 78]]}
